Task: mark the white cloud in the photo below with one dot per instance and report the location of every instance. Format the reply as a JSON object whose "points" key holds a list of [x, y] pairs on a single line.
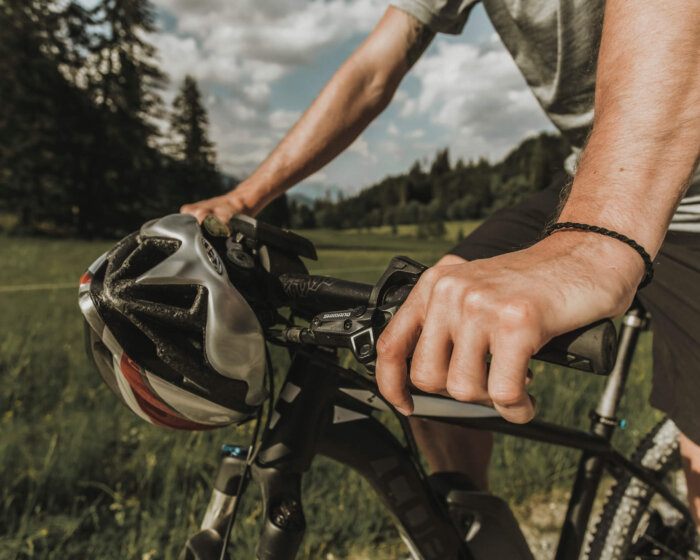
{"points": [[400, 96], [409, 107], [391, 147], [238, 50], [242, 163], [478, 94], [282, 119], [361, 147], [257, 41], [393, 130], [318, 177]]}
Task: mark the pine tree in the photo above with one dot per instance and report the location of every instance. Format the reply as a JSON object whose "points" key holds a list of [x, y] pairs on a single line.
{"points": [[79, 107], [441, 163], [189, 124], [109, 59], [197, 176], [124, 75], [122, 78], [45, 121]]}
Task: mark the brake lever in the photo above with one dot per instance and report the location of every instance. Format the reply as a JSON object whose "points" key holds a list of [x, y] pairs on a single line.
{"points": [[356, 329], [359, 329]]}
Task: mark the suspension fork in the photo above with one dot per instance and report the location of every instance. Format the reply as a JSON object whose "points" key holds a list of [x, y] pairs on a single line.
{"points": [[307, 419], [603, 423], [286, 450], [288, 446]]}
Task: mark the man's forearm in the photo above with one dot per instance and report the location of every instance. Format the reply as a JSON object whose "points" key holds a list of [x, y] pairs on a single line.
{"points": [[646, 136], [355, 95], [343, 109]]}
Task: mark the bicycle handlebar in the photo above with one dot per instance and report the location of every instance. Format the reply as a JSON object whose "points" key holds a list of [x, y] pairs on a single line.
{"points": [[326, 291], [591, 348]]}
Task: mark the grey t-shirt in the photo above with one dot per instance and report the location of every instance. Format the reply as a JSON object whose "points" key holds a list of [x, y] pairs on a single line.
{"points": [[555, 45]]}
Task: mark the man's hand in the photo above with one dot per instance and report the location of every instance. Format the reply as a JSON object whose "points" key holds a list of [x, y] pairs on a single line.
{"points": [[223, 207], [507, 307], [644, 146]]}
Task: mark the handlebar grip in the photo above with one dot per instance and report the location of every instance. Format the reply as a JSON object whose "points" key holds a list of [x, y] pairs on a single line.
{"points": [[592, 348]]}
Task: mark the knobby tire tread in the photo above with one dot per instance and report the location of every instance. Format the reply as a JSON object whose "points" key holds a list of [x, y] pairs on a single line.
{"points": [[629, 497]]}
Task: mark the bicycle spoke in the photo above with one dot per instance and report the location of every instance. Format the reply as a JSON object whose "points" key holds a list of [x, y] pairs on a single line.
{"points": [[661, 546]]}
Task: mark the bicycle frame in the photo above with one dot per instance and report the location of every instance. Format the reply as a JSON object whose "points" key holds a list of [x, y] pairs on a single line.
{"points": [[325, 409]]}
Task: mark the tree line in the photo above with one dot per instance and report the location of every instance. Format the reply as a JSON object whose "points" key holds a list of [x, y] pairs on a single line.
{"points": [[87, 146], [442, 191]]}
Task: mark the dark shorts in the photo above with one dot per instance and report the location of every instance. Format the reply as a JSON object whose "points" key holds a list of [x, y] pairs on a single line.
{"points": [[673, 299]]}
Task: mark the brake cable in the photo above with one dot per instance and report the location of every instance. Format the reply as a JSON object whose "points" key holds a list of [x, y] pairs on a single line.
{"points": [[252, 451]]}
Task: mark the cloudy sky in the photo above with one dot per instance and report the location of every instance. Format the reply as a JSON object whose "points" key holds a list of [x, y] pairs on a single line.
{"points": [[260, 63]]}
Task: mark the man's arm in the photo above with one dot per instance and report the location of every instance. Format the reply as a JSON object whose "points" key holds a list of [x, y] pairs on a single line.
{"points": [[643, 148], [646, 136], [356, 94]]}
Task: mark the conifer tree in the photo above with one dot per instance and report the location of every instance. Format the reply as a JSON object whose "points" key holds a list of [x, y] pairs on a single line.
{"points": [[45, 121], [197, 174], [125, 77], [189, 124], [124, 82]]}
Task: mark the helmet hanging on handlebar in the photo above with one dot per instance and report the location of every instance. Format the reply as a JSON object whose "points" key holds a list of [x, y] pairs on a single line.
{"points": [[169, 332]]}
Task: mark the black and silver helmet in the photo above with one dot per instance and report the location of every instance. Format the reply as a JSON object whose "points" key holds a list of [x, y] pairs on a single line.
{"points": [[169, 332]]}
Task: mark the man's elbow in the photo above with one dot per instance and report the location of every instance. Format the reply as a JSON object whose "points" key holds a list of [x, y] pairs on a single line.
{"points": [[378, 80], [381, 88]]}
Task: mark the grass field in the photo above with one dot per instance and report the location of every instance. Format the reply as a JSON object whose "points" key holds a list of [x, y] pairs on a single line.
{"points": [[82, 478]]}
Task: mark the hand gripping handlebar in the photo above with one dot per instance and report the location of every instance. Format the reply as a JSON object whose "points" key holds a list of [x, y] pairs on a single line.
{"points": [[363, 311]]}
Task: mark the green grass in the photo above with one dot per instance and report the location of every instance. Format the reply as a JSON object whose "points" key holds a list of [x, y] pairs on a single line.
{"points": [[83, 478], [411, 230]]}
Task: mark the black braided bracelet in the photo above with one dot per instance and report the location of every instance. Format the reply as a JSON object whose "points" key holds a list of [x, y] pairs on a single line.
{"points": [[648, 265]]}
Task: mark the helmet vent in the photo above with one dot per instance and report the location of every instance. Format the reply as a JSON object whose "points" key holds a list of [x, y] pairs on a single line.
{"points": [[147, 254], [179, 296]]}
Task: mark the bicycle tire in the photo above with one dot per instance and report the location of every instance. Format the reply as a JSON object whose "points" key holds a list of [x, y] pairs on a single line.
{"points": [[628, 525]]}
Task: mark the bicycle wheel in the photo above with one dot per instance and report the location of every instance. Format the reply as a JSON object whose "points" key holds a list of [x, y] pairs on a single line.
{"points": [[636, 523]]}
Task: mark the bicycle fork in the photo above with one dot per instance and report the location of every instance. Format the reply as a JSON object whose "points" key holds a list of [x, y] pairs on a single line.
{"points": [[308, 419]]}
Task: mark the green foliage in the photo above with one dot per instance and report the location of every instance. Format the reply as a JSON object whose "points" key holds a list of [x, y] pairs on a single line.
{"points": [[44, 120], [431, 220], [466, 208], [510, 192], [441, 164], [466, 191], [78, 137], [277, 212], [83, 478], [301, 216]]}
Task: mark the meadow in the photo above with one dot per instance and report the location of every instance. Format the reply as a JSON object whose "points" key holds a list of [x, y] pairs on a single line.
{"points": [[82, 478]]}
